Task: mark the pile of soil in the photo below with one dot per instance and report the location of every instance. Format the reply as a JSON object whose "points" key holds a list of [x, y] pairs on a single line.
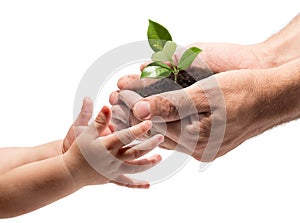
{"points": [[184, 80]]}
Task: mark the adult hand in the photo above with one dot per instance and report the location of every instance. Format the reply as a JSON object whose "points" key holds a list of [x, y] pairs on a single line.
{"points": [[216, 57], [281, 48], [251, 101]]}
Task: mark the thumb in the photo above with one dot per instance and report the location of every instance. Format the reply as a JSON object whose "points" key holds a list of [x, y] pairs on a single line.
{"points": [[103, 119], [85, 113], [100, 124], [171, 106], [166, 106]]}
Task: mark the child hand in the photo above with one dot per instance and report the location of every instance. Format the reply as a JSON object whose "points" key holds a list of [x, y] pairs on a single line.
{"points": [[99, 160], [80, 124]]}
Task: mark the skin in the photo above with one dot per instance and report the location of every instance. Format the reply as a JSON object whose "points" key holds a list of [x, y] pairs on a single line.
{"points": [[31, 178], [260, 86]]}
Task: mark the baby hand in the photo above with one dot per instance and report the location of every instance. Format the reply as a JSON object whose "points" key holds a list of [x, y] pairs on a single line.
{"points": [[99, 160]]}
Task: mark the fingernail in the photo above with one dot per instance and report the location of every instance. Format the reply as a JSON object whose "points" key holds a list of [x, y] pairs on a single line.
{"points": [[105, 110], [159, 158], [142, 110]]}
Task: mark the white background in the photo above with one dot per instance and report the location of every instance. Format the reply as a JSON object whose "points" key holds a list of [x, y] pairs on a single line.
{"points": [[45, 48]]}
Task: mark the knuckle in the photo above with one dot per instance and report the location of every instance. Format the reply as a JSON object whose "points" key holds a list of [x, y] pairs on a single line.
{"points": [[165, 107], [205, 128]]}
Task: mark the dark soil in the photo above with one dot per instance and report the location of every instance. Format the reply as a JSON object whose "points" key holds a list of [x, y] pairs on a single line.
{"points": [[184, 80]]}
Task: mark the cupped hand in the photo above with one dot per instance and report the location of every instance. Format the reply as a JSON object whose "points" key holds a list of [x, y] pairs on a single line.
{"points": [[214, 58], [205, 120]]}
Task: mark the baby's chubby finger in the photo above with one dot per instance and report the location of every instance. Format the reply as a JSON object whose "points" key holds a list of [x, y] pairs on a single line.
{"points": [[136, 166], [86, 112], [100, 124], [126, 136], [141, 149], [152, 160], [125, 181]]}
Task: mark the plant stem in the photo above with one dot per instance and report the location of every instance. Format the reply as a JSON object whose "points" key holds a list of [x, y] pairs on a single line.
{"points": [[176, 72], [175, 75]]}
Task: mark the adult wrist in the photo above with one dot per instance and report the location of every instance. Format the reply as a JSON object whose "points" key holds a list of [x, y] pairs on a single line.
{"points": [[277, 95], [266, 54]]}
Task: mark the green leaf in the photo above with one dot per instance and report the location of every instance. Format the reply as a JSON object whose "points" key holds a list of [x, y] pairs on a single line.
{"points": [[156, 71], [188, 57], [159, 56], [157, 35], [159, 64], [166, 54], [169, 49]]}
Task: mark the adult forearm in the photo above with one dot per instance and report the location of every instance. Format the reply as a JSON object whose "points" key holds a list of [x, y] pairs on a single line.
{"points": [[281, 47], [34, 185], [278, 97]]}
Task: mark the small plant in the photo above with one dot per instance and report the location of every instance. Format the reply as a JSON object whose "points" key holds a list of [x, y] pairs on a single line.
{"points": [[160, 40]]}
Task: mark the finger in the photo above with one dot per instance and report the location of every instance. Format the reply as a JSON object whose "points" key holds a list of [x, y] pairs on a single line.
{"points": [[100, 124], [79, 129], [154, 159], [140, 149], [129, 98], [111, 127], [188, 131], [118, 125], [121, 112], [137, 166], [106, 132], [126, 136], [114, 98], [122, 117], [133, 82], [125, 181], [143, 65], [197, 153], [125, 80], [172, 106], [86, 112], [169, 144], [174, 130]]}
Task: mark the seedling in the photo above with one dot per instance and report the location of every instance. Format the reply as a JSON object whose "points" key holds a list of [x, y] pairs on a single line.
{"points": [[163, 65]]}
